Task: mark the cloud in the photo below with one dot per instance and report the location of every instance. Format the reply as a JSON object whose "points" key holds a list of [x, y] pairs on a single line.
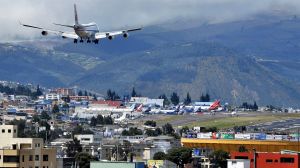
{"points": [[113, 14]]}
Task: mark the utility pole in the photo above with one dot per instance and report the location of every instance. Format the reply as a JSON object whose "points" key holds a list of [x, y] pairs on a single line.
{"points": [[254, 158]]}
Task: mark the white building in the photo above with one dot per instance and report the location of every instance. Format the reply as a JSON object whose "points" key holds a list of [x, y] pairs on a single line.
{"points": [[147, 101], [88, 139], [238, 163], [52, 96]]}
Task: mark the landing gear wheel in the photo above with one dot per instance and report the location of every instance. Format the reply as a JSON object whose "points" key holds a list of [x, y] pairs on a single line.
{"points": [[75, 40], [81, 41]]}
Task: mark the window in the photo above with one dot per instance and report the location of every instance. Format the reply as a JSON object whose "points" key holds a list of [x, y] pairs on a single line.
{"points": [[286, 160], [15, 131], [269, 160], [11, 159], [3, 130], [276, 160], [241, 157], [30, 158], [23, 158], [45, 158], [14, 146], [9, 130], [37, 158]]}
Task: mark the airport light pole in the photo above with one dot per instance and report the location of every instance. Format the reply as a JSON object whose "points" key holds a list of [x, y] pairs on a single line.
{"points": [[298, 138]]}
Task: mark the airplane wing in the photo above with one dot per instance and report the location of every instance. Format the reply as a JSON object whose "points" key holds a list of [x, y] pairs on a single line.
{"points": [[101, 35], [45, 32]]}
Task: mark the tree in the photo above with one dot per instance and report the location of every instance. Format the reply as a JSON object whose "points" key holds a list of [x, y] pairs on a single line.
{"points": [[80, 93], [73, 147], [35, 118], [219, 157], [167, 129], [45, 116], [83, 159], [132, 132], [100, 120], [184, 129], [175, 98], [112, 95], [205, 98], [180, 156], [166, 100], [255, 107], [153, 133], [133, 93], [21, 127], [242, 148], [79, 130], [67, 99], [150, 123], [55, 109], [93, 121], [159, 156], [188, 99], [38, 91], [108, 120], [85, 93]]}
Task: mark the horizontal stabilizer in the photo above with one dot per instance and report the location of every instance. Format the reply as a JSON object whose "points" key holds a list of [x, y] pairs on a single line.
{"points": [[70, 26]]}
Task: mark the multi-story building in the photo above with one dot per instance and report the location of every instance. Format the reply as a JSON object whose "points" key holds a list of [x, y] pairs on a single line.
{"points": [[24, 152], [65, 91], [52, 96]]}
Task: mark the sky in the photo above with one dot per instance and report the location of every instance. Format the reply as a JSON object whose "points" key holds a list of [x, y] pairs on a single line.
{"points": [[115, 14]]}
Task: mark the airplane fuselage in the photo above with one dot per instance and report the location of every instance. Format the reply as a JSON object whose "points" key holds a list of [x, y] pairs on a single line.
{"points": [[86, 31]]}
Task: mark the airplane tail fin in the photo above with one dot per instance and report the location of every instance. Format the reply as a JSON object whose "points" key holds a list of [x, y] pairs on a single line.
{"points": [[215, 105], [76, 16]]}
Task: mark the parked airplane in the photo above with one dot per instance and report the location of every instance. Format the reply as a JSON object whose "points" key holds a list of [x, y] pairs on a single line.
{"points": [[89, 32], [208, 106]]}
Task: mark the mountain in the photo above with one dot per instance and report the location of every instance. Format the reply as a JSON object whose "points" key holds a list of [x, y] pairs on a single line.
{"points": [[250, 60]]}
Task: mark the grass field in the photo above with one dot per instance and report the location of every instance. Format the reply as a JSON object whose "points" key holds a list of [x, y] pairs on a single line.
{"points": [[227, 121]]}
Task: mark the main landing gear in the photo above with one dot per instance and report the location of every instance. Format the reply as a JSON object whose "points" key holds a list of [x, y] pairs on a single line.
{"points": [[88, 41]]}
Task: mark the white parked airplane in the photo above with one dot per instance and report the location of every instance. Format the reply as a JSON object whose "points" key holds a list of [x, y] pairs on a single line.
{"points": [[89, 32]]}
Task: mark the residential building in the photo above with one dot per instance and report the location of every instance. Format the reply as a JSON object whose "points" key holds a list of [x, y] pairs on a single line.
{"points": [[52, 96], [65, 91], [24, 152], [281, 159], [238, 163]]}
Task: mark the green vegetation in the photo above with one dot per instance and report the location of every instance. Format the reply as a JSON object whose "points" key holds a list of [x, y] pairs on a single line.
{"points": [[159, 156], [175, 98], [155, 132], [21, 90], [83, 159], [180, 156], [132, 132], [205, 98], [219, 157], [188, 99], [101, 120], [150, 123], [112, 95], [166, 100]]}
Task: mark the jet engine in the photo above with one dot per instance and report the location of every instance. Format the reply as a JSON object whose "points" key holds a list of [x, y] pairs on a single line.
{"points": [[110, 37], [44, 33], [125, 35]]}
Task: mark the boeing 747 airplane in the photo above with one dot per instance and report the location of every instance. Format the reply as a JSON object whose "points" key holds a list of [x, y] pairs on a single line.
{"points": [[84, 32]]}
